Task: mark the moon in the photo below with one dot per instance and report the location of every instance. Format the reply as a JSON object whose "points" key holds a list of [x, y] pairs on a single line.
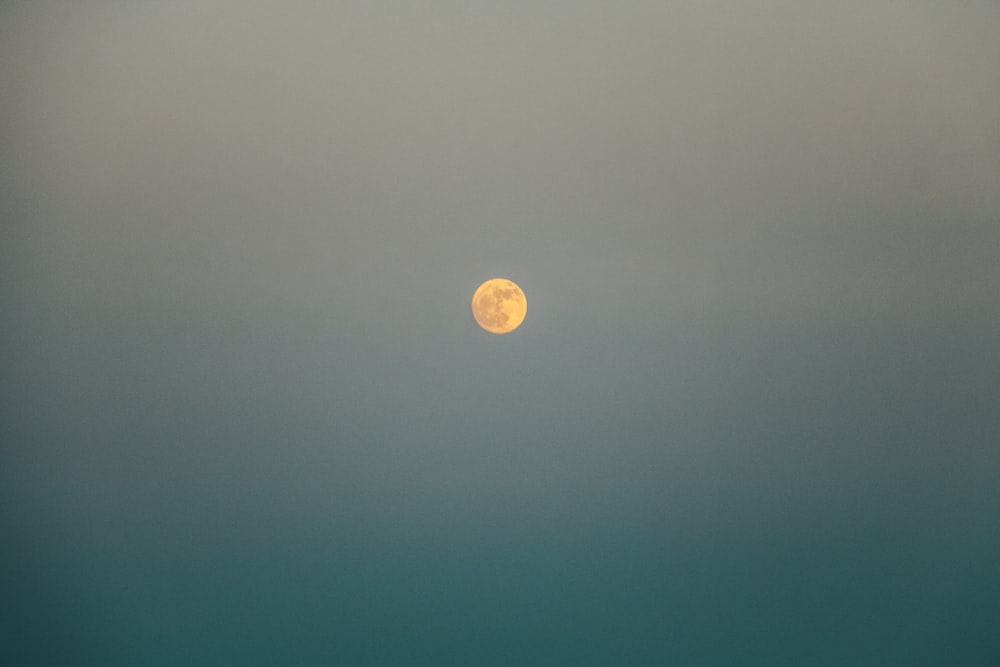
{"points": [[499, 305]]}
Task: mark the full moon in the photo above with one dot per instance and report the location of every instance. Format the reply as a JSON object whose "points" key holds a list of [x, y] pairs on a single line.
{"points": [[499, 305]]}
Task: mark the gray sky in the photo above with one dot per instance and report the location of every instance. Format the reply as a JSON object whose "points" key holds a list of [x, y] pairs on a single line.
{"points": [[756, 389]]}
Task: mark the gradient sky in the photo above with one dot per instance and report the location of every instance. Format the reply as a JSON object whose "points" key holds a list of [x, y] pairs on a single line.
{"points": [[752, 417]]}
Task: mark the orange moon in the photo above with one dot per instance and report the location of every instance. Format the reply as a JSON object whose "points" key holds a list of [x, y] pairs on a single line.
{"points": [[499, 305]]}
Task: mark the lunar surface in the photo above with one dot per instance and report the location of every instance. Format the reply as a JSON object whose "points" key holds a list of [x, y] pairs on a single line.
{"points": [[499, 305]]}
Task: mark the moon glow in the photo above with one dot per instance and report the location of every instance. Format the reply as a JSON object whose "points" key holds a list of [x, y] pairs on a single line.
{"points": [[499, 305]]}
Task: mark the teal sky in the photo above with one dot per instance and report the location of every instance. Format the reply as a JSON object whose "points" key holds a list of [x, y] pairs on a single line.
{"points": [[752, 417]]}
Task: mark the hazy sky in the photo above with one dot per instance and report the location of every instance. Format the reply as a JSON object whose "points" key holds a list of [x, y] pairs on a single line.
{"points": [[752, 417]]}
